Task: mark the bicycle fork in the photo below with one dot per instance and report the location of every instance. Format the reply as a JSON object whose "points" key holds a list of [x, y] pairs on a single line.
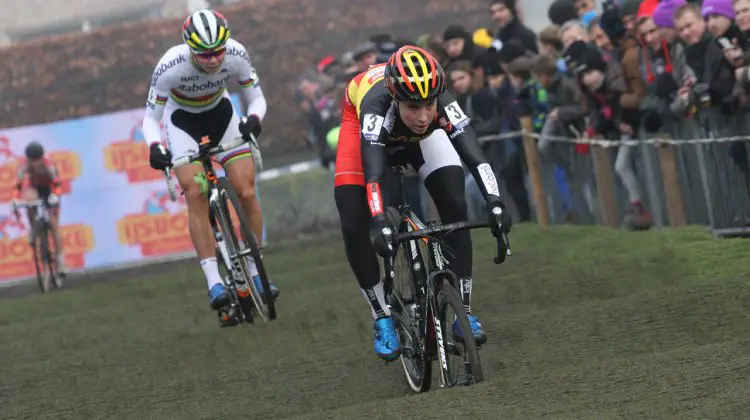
{"points": [[232, 264]]}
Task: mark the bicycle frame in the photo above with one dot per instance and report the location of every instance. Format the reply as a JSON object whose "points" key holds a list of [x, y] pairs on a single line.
{"points": [[232, 261], [426, 289]]}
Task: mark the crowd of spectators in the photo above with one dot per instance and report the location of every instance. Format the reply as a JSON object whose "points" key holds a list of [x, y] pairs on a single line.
{"points": [[627, 71]]}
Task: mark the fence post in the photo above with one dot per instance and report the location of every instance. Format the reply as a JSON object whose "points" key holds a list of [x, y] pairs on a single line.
{"points": [[605, 185], [672, 187], [534, 163]]}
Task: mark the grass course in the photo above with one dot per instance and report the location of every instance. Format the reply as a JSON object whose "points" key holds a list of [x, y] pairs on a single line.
{"points": [[583, 322]]}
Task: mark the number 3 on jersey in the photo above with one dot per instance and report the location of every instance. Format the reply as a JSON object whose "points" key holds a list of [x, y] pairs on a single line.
{"points": [[456, 115], [371, 126]]}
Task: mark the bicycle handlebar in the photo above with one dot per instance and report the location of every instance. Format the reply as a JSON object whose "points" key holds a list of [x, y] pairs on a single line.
{"points": [[503, 243], [186, 160]]}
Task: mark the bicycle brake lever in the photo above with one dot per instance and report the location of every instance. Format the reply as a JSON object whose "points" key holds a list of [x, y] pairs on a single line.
{"points": [[503, 249]]}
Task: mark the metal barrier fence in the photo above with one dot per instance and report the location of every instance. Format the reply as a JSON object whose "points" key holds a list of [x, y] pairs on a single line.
{"points": [[694, 173]]}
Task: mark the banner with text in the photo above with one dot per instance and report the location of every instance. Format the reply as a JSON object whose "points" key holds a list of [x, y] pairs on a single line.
{"points": [[114, 209]]}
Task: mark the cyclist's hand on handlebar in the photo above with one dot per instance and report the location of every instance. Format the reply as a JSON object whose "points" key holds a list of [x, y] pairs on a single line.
{"points": [[382, 236], [250, 125], [53, 200], [500, 220], [159, 157]]}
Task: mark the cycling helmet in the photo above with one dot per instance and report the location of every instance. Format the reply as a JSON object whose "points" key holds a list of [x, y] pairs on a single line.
{"points": [[413, 74], [34, 151], [205, 30]]}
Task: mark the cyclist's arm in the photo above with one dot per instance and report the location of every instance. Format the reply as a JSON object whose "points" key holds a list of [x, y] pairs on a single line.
{"points": [[157, 100], [457, 125], [21, 174], [54, 174], [373, 133], [247, 77]]}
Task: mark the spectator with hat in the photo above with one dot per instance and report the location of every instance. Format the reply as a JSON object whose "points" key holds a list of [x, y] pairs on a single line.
{"points": [[722, 60], [504, 14]]}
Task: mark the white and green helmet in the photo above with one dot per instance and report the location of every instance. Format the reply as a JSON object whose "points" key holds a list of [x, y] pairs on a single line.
{"points": [[205, 30]]}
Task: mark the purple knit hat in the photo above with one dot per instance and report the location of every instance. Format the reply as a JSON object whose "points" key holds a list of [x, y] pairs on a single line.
{"points": [[664, 13], [718, 7]]}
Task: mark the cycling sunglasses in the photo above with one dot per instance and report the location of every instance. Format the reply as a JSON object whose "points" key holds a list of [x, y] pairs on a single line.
{"points": [[211, 54]]}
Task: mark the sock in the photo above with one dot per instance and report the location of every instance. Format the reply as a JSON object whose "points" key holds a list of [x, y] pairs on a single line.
{"points": [[211, 271], [251, 266], [466, 293], [375, 297]]}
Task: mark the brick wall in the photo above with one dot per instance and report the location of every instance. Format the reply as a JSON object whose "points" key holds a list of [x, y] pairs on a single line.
{"points": [[109, 70]]}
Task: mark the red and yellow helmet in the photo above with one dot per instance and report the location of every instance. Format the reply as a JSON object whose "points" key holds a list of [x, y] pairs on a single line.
{"points": [[413, 74]]}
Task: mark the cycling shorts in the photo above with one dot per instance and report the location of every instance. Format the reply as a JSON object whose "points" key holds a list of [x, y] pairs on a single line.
{"points": [[185, 131]]}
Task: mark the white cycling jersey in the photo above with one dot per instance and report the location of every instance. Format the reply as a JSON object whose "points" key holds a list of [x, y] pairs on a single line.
{"points": [[178, 83]]}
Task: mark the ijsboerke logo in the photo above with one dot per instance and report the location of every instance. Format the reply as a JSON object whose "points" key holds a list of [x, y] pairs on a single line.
{"points": [[161, 228], [68, 164], [16, 259], [131, 157]]}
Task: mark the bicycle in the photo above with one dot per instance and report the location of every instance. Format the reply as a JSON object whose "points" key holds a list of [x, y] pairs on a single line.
{"points": [[47, 274], [420, 308], [231, 253]]}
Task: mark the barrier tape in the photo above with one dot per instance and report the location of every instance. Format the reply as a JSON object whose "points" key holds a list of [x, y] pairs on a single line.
{"points": [[613, 143]]}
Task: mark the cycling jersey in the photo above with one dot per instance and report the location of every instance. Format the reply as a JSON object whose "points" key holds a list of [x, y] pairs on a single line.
{"points": [[180, 86], [370, 109], [42, 173]]}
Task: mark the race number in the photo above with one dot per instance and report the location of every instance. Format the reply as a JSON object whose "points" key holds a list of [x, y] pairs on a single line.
{"points": [[372, 124], [456, 115]]}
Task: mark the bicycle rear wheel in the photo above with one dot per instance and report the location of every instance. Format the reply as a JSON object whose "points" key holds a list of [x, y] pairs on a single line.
{"points": [[406, 298], [264, 302], [47, 271], [465, 351], [36, 251]]}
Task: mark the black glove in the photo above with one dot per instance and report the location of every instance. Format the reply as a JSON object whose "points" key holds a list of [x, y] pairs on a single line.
{"points": [[250, 125], [500, 220], [382, 236], [159, 156], [665, 86]]}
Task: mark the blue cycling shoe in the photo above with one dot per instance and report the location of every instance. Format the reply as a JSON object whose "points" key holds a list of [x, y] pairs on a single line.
{"points": [[476, 330], [387, 344], [219, 296], [259, 285]]}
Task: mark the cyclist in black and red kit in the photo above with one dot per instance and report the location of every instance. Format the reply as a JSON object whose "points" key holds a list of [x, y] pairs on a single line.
{"points": [[38, 178], [401, 109]]}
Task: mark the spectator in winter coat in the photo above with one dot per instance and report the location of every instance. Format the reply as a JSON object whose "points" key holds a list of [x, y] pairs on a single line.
{"points": [[503, 13], [742, 11], [478, 104], [615, 23], [531, 98], [603, 85], [550, 44], [563, 99], [458, 44], [692, 30], [665, 70], [628, 14], [573, 31], [721, 61], [599, 37], [561, 11], [663, 17]]}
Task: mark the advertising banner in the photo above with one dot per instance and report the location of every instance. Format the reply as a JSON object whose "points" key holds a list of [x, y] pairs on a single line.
{"points": [[114, 209]]}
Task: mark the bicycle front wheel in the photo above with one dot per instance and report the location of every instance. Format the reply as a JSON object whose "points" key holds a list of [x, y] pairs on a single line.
{"points": [[47, 272], [248, 246], [461, 365], [406, 298]]}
